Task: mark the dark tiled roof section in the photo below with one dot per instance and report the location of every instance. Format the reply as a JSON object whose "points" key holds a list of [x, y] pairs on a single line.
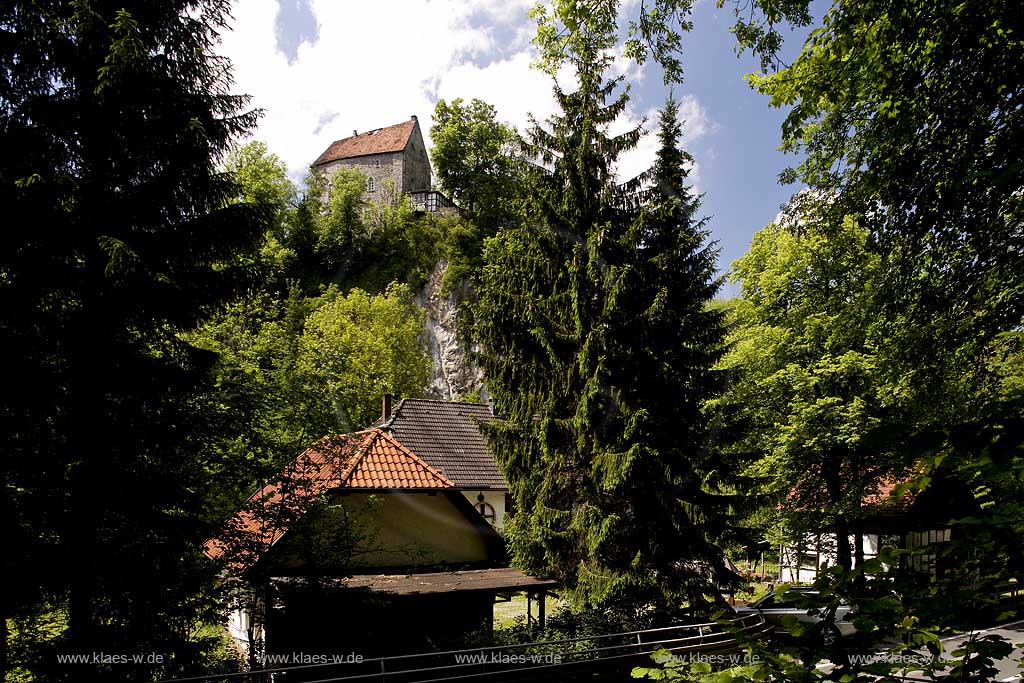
{"points": [[379, 141], [447, 437]]}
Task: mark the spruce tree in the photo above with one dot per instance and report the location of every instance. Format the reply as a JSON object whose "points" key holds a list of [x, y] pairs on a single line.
{"points": [[599, 347], [663, 341], [114, 117]]}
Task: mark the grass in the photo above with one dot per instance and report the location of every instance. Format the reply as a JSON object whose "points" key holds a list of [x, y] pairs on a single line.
{"points": [[506, 613], [768, 570]]}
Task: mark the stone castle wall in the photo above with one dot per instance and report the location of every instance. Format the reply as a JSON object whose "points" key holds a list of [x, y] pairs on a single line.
{"points": [[380, 167], [417, 164]]}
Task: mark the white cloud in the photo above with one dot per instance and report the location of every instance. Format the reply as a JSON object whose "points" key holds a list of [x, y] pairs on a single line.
{"points": [[510, 85], [696, 122], [375, 64], [696, 125]]}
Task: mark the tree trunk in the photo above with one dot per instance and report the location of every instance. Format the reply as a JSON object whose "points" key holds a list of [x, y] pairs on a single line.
{"points": [[858, 545], [85, 429], [843, 551], [835, 486], [3, 646]]}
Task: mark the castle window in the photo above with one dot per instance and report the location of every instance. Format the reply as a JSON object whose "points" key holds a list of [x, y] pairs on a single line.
{"points": [[369, 184]]}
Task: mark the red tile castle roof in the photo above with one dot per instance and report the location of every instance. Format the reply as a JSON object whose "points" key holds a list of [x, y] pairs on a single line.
{"points": [[379, 141], [368, 460]]}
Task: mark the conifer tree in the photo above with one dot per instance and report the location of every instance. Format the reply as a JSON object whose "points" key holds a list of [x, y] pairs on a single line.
{"points": [[663, 340], [114, 117], [598, 351]]}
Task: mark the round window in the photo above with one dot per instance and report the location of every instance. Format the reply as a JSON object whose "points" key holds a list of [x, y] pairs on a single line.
{"points": [[487, 512]]}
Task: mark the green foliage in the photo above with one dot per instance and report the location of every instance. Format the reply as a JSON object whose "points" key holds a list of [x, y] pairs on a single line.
{"points": [[916, 647], [341, 225], [817, 400], [298, 369], [331, 240], [598, 350], [399, 246], [477, 160], [878, 328], [916, 142], [757, 26], [262, 177], [256, 340], [337, 236], [463, 248], [656, 33], [359, 347], [113, 119]]}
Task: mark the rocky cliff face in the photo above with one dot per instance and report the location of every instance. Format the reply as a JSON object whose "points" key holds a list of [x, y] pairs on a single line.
{"points": [[454, 377]]}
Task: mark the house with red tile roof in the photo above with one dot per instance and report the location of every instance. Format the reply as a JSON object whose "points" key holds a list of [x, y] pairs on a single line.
{"points": [[344, 526], [893, 513], [352, 466], [446, 434]]}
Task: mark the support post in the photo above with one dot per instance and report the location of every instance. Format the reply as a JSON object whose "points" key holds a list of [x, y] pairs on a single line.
{"points": [[540, 609]]}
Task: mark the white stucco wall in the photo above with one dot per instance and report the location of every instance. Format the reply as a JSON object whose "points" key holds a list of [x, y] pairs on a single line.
{"points": [[238, 625], [808, 572], [420, 529], [496, 499]]}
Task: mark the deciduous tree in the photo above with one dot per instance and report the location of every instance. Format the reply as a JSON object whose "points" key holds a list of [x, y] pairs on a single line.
{"points": [[908, 115], [818, 403], [358, 347], [477, 159]]}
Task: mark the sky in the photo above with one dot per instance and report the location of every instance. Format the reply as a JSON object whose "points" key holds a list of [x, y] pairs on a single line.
{"points": [[321, 69]]}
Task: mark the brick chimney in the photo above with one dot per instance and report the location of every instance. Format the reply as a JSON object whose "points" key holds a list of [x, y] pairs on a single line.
{"points": [[385, 407], [355, 133]]}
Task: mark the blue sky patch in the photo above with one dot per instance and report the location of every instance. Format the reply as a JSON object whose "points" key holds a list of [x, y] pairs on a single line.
{"points": [[295, 24]]}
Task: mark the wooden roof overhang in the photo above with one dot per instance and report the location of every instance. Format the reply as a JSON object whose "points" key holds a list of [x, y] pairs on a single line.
{"points": [[495, 580]]}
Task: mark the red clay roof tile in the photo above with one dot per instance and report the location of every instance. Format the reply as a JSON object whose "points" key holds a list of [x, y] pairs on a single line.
{"points": [[380, 141]]}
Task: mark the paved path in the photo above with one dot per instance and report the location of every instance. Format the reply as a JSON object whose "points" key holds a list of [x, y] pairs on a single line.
{"points": [[1009, 668]]}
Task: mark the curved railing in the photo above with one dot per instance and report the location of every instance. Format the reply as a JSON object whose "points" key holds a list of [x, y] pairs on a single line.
{"points": [[525, 661]]}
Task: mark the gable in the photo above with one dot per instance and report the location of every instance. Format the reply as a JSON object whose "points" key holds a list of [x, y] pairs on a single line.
{"points": [[386, 464], [370, 531], [367, 460]]}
